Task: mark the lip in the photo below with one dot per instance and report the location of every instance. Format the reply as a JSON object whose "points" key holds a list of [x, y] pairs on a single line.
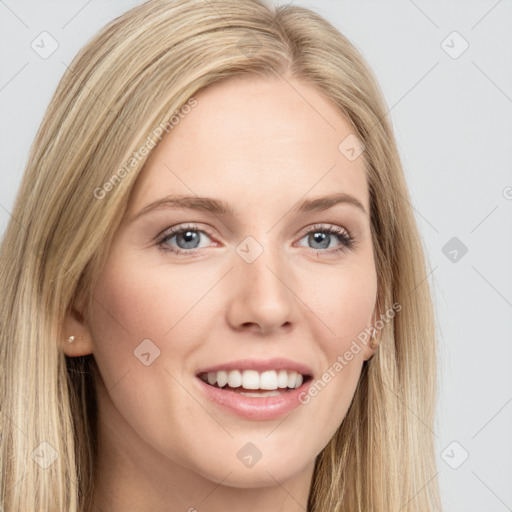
{"points": [[278, 363], [254, 408]]}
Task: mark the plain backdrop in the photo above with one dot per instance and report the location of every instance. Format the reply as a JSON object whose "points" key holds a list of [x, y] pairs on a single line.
{"points": [[446, 72]]}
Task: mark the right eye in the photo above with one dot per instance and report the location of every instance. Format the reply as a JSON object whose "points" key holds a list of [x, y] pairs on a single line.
{"points": [[186, 238]]}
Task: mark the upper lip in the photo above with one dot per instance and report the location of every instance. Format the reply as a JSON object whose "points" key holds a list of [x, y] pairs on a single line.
{"points": [[261, 365]]}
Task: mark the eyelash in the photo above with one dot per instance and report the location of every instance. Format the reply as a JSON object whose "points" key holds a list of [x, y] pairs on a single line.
{"points": [[347, 241]]}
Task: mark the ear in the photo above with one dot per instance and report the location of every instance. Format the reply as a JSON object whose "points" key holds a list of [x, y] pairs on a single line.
{"points": [[75, 325]]}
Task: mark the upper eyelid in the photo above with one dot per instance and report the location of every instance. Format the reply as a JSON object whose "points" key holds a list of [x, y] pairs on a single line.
{"points": [[172, 230], [322, 227]]}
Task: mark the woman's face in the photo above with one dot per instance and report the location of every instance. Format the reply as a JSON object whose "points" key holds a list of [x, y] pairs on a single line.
{"points": [[242, 287]]}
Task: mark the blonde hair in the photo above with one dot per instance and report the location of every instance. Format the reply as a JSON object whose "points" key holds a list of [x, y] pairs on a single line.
{"points": [[132, 77]]}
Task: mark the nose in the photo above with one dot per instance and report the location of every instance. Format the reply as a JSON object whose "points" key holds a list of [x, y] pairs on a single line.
{"points": [[261, 297]]}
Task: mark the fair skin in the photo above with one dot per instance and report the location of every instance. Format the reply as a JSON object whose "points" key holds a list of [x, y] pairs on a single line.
{"points": [[262, 148]]}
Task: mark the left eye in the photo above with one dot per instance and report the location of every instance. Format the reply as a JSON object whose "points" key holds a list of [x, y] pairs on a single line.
{"points": [[327, 235]]}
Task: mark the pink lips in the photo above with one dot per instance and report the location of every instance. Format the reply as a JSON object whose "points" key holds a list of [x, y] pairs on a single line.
{"points": [[256, 408]]}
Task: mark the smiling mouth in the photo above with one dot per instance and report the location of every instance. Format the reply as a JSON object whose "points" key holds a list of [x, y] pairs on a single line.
{"points": [[253, 383]]}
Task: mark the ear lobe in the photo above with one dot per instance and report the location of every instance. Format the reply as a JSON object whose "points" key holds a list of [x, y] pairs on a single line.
{"points": [[372, 343], [369, 352], [77, 339]]}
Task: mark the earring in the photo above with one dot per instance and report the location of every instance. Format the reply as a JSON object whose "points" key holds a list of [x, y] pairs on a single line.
{"points": [[373, 343], [71, 339]]}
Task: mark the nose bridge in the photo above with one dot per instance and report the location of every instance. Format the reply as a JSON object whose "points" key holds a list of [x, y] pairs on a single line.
{"points": [[261, 291]]}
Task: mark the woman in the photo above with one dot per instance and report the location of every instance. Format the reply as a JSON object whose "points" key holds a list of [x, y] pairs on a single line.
{"points": [[214, 288]]}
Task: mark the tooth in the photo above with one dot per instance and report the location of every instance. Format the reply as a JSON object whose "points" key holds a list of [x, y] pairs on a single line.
{"points": [[268, 380], [251, 379], [222, 378], [282, 379], [234, 379], [292, 377]]}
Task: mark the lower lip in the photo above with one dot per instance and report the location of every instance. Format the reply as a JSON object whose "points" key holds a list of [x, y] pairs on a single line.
{"points": [[256, 408]]}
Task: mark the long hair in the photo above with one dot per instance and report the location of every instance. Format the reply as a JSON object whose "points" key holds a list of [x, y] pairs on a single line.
{"points": [[134, 76]]}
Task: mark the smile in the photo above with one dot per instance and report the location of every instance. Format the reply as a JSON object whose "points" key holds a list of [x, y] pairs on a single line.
{"points": [[244, 380], [255, 394]]}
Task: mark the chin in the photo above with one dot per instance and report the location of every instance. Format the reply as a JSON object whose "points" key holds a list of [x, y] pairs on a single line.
{"points": [[252, 478], [265, 472]]}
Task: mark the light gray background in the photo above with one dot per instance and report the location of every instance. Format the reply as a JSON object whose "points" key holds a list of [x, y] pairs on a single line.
{"points": [[453, 122]]}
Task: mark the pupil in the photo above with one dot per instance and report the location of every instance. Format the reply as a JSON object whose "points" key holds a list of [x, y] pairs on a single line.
{"points": [[188, 237], [321, 238]]}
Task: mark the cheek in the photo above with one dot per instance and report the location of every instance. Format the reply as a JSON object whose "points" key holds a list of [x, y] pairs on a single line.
{"points": [[344, 302], [140, 309], [128, 310], [133, 308], [134, 301], [351, 311], [345, 307]]}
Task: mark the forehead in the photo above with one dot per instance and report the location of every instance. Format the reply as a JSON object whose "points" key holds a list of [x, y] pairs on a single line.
{"points": [[252, 140]]}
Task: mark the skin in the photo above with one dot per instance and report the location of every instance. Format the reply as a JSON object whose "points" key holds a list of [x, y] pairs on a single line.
{"points": [[261, 146]]}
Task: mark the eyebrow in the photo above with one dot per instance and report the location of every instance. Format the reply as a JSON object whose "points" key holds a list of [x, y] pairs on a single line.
{"points": [[220, 207]]}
